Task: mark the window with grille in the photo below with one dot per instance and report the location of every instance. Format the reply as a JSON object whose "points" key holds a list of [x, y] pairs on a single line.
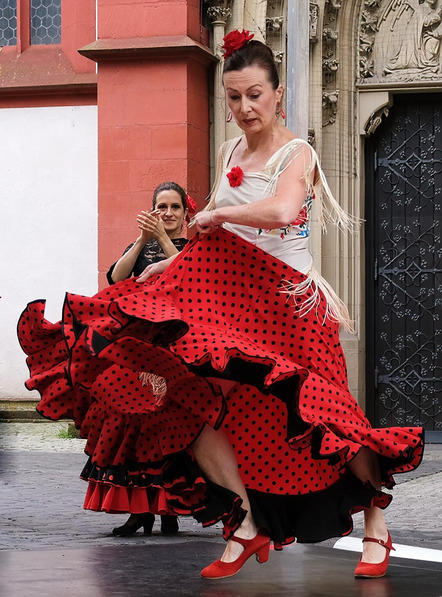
{"points": [[8, 22], [38, 22], [45, 21]]}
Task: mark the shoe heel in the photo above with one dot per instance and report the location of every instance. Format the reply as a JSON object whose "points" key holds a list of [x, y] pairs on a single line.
{"points": [[169, 524], [262, 555], [148, 521]]}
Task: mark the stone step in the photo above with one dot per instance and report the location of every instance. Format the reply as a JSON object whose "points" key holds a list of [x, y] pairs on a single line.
{"points": [[20, 410]]}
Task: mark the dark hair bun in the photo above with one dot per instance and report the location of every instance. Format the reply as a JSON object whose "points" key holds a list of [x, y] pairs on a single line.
{"points": [[251, 53]]}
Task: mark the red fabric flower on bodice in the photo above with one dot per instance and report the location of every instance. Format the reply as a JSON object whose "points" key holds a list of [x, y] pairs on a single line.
{"points": [[235, 176]]}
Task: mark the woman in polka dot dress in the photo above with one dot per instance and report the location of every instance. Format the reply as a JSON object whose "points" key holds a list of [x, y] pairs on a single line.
{"points": [[254, 424]]}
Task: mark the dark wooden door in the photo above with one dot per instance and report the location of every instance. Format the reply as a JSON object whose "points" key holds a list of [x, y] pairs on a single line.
{"points": [[404, 266]]}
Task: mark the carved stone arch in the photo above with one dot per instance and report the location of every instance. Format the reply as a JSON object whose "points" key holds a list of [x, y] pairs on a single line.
{"points": [[374, 106], [340, 26]]}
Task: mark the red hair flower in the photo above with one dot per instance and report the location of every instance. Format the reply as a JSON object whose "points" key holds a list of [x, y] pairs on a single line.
{"points": [[235, 176], [191, 205], [235, 40]]}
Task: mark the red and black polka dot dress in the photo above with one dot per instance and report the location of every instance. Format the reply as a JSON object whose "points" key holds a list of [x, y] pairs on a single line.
{"points": [[219, 311], [291, 419]]}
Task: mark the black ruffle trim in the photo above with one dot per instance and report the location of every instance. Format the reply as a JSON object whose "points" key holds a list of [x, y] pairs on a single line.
{"points": [[309, 518]]}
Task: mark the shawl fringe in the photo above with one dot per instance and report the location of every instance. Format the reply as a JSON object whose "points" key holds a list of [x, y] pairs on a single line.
{"points": [[336, 310]]}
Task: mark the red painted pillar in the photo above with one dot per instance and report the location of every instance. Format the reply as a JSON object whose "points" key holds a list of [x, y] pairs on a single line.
{"points": [[153, 115]]}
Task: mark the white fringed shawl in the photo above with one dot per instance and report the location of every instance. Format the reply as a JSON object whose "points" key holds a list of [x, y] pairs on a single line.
{"points": [[329, 212]]}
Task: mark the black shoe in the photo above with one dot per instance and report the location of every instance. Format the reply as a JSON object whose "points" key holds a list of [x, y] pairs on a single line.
{"points": [[142, 520], [169, 524]]}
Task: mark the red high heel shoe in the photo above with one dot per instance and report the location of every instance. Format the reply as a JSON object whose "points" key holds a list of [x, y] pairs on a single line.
{"points": [[367, 570], [259, 545]]}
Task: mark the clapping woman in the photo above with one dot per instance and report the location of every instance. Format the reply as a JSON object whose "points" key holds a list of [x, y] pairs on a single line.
{"points": [[160, 237]]}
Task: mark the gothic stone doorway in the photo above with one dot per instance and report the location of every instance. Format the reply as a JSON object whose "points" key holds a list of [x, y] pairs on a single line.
{"points": [[404, 266]]}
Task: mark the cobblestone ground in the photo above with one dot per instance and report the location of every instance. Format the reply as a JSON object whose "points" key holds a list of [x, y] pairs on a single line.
{"points": [[39, 437], [41, 497]]}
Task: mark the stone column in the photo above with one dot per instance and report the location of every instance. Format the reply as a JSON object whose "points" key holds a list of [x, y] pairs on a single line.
{"points": [[219, 11], [298, 25]]}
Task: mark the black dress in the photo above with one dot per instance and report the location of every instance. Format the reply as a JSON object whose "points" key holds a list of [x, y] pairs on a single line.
{"points": [[152, 252]]}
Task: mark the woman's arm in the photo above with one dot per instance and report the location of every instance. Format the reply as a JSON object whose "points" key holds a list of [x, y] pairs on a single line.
{"points": [[270, 212], [125, 265], [167, 245]]}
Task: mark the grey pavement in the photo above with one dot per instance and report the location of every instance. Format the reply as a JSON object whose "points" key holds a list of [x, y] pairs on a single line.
{"points": [[42, 495], [50, 546], [41, 498]]}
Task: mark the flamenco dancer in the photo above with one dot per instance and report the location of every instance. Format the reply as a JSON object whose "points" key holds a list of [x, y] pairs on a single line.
{"points": [[282, 452], [160, 237]]}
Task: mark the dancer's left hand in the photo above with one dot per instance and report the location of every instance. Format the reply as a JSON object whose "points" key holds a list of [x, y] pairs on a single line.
{"points": [[204, 222]]}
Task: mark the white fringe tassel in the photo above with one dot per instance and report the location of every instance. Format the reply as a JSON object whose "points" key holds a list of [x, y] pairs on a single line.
{"points": [[157, 383], [336, 309]]}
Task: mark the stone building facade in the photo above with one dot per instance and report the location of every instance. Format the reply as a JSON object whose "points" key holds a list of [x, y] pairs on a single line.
{"points": [[363, 82]]}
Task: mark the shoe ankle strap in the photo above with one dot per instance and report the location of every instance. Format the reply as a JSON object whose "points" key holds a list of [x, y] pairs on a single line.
{"points": [[387, 544], [246, 542], [240, 540]]}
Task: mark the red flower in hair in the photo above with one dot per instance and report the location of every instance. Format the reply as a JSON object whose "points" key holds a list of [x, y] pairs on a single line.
{"points": [[235, 40], [235, 176], [191, 205]]}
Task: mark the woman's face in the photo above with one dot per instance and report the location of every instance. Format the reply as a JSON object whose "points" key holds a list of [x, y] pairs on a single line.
{"points": [[251, 98], [171, 211]]}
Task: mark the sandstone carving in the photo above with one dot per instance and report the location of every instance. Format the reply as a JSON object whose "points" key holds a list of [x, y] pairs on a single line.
{"points": [[418, 30], [400, 40]]}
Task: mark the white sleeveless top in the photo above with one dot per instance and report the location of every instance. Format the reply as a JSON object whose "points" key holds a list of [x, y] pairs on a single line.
{"points": [[289, 243]]}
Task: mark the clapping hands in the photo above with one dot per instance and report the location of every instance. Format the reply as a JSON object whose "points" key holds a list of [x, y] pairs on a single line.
{"points": [[151, 225]]}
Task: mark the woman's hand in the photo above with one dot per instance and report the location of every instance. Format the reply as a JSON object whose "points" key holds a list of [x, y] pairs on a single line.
{"points": [[151, 225], [205, 221], [154, 269]]}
